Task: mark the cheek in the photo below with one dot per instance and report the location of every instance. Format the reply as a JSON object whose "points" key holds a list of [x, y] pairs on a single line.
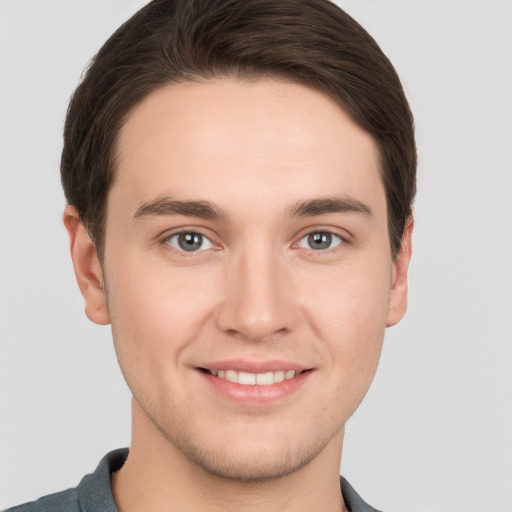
{"points": [[158, 310], [156, 314], [348, 298], [348, 310]]}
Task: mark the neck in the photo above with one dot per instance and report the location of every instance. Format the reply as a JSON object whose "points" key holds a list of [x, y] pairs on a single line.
{"points": [[158, 476]]}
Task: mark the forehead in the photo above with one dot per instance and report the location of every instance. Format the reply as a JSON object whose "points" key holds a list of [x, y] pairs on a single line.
{"points": [[232, 141]]}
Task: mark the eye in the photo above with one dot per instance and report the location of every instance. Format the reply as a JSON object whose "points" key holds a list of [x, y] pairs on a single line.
{"points": [[189, 241], [320, 241]]}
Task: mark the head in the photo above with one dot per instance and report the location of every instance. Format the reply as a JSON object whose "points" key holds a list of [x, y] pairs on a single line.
{"points": [[240, 177]]}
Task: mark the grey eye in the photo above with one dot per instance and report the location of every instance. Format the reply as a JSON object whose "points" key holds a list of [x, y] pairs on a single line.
{"points": [[320, 241], [189, 241]]}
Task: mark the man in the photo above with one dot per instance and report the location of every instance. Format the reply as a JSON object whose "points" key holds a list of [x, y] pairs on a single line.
{"points": [[239, 178]]}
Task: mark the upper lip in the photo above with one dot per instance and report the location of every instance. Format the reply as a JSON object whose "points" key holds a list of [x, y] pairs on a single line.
{"points": [[244, 365]]}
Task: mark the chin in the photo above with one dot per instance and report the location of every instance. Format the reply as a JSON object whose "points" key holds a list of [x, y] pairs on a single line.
{"points": [[254, 454], [254, 465]]}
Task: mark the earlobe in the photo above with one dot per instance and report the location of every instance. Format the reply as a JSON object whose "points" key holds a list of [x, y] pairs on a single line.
{"points": [[398, 295], [87, 267]]}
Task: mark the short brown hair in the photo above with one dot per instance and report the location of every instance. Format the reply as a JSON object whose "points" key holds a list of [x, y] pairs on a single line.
{"points": [[311, 42]]}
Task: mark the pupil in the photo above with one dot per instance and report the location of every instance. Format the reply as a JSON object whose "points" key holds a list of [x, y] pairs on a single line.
{"points": [[190, 241], [320, 240]]}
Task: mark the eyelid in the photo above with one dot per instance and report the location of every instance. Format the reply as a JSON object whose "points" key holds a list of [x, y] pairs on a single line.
{"points": [[342, 234], [336, 239], [167, 235]]}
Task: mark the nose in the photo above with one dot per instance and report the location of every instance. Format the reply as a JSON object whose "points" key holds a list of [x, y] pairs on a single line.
{"points": [[258, 299]]}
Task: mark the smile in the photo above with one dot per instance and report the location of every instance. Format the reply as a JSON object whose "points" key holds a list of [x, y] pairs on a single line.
{"points": [[255, 384], [253, 379]]}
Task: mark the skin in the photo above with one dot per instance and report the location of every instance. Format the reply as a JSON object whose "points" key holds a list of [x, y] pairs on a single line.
{"points": [[257, 290]]}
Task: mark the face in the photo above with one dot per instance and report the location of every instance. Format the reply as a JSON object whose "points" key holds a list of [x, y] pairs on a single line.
{"points": [[248, 272]]}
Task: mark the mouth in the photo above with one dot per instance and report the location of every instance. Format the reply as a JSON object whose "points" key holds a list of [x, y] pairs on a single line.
{"points": [[255, 383], [253, 379]]}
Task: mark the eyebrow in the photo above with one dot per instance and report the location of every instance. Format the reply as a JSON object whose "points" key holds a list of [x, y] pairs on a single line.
{"points": [[207, 210], [167, 206], [326, 205]]}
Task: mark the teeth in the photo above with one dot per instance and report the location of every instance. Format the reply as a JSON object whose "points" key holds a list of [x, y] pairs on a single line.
{"points": [[265, 379], [231, 375], [250, 379], [279, 376]]}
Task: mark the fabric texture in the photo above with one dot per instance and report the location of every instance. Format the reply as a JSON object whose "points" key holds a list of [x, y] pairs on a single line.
{"points": [[94, 493]]}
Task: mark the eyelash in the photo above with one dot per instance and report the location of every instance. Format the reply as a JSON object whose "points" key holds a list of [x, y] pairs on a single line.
{"points": [[184, 252], [212, 245], [324, 233]]}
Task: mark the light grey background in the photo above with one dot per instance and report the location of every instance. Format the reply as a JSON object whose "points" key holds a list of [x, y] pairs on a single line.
{"points": [[435, 431]]}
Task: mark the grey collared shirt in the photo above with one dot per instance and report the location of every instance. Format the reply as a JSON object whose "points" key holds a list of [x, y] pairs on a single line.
{"points": [[94, 493]]}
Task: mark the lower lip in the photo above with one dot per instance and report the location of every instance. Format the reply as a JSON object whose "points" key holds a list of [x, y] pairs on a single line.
{"points": [[257, 394]]}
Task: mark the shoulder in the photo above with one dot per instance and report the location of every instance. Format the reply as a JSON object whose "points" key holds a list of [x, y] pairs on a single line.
{"points": [[352, 499], [93, 492], [64, 501]]}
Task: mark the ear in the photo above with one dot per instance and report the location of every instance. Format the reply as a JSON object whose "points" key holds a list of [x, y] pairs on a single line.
{"points": [[87, 268], [398, 296]]}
